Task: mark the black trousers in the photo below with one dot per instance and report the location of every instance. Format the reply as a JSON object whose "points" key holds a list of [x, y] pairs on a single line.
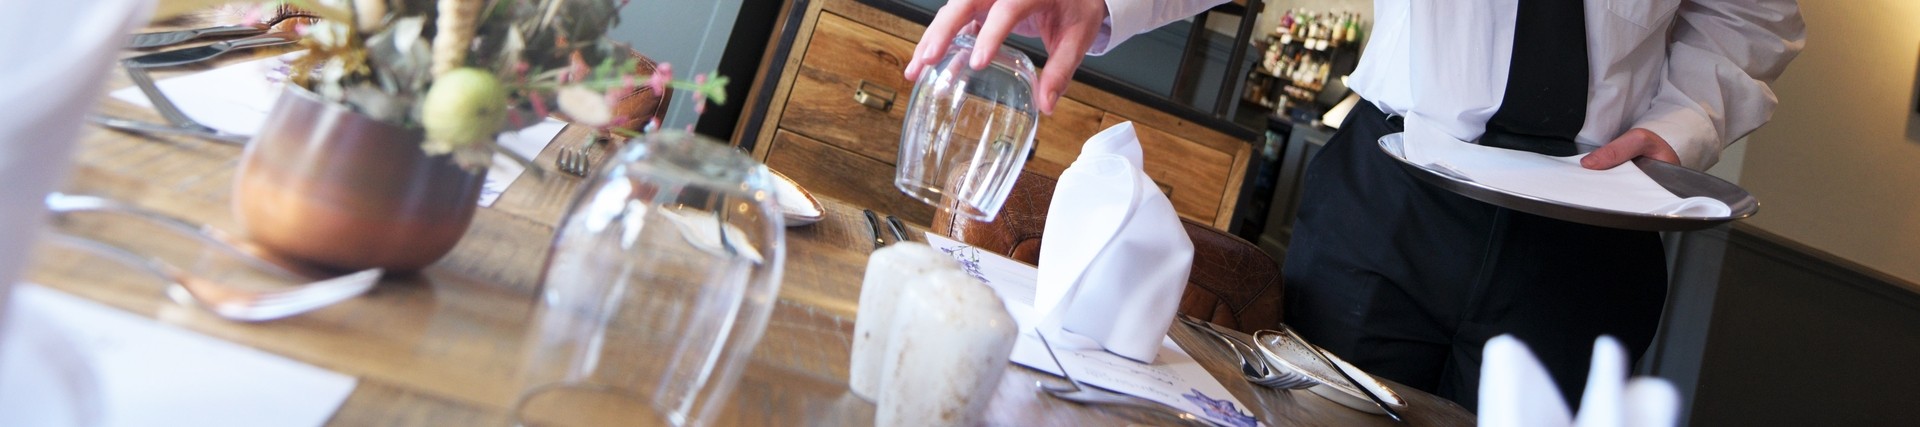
{"points": [[1409, 281]]}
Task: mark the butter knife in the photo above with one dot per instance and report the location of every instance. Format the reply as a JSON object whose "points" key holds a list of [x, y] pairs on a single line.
{"points": [[873, 223], [164, 38], [202, 53], [141, 127]]}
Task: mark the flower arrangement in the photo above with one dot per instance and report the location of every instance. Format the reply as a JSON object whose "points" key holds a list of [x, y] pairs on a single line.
{"points": [[466, 70]]}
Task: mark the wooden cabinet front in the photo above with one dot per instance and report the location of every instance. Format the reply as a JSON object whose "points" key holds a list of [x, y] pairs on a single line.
{"points": [[836, 122]]}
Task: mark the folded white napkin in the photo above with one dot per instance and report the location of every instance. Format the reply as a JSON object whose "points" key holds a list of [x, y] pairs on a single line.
{"points": [[57, 53], [1515, 390], [1115, 258], [1623, 188]]}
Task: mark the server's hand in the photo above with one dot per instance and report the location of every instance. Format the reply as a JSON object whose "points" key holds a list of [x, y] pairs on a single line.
{"points": [[1068, 28], [1636, 142]]}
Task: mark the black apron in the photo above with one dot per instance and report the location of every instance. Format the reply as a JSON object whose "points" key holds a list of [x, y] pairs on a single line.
{"points": [[1409, 281]]}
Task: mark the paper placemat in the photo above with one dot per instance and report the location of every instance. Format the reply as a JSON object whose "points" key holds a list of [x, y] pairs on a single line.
{"points": [[126, 370], [1174, 378]]}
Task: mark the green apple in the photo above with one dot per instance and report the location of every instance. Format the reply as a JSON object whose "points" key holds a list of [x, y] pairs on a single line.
{"points": [[463, 106]]}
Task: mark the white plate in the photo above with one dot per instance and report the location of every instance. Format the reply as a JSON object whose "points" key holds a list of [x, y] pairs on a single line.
{"points": [[1680, 181], [796, 204]]}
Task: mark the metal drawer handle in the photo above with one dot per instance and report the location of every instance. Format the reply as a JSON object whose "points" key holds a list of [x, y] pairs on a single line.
{"points": [[873, 96]]}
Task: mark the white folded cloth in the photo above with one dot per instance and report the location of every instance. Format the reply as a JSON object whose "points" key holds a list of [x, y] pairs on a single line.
{"points": [[1115, 258], [58, 54], [1515, 390], [1623, 188]]}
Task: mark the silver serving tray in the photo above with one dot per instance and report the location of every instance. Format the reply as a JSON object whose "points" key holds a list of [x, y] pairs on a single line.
{"points": [[1681, 181]]}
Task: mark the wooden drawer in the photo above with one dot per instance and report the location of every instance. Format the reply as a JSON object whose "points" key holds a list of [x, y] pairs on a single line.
{"points": [[1197, 175], [817, 133], [841, 55], [834, 172]]}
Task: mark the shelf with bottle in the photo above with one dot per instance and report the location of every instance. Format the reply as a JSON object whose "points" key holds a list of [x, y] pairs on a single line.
{"points": [[1319, 31]]}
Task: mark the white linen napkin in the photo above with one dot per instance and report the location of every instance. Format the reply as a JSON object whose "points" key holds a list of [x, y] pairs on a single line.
{"points": [[1515, 390], [57, 53], [1623, 188], [70, 361], [1115, 258]]}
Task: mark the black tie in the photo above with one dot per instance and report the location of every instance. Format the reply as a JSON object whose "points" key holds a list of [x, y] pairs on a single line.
{"points": [[1546, 99]]}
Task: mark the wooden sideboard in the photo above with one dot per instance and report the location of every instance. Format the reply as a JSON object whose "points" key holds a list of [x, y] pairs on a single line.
{"points": [[829, 101]]}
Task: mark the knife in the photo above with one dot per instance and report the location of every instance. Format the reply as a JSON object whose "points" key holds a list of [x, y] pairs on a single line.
{"points": [[873, 223], [899, 230], [202, 53], [164, 38], [141, 127]]}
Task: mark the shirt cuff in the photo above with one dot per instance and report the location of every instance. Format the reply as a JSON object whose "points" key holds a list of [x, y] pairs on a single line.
{"points": [[1691, 135], [1124, 20]]}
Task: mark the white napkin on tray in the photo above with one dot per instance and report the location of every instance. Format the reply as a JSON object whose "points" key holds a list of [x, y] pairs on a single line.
{"points": [[1623, 188], [1515, 390], [1115, 258]]}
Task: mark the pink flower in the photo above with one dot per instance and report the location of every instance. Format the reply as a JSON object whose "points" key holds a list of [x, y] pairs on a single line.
{"points": [[539, 106], [662, 75]]}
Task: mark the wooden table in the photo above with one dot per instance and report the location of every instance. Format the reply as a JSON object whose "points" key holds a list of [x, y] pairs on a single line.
{"points": [[442, 346]]}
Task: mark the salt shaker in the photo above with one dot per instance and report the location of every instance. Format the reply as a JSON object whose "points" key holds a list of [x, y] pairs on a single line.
{"points": [[889, 270], [950, 342]]}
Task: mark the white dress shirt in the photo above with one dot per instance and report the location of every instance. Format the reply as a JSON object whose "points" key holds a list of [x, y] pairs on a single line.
{"points": [[1694, 72]]}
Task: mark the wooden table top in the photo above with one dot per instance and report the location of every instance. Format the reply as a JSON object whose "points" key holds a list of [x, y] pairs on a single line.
{"points": [[442, 346]]}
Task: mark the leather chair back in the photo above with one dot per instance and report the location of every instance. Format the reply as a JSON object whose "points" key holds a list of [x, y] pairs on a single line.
{"points": [[1233, 283]]}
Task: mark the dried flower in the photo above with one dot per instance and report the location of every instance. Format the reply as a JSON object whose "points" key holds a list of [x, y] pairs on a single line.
{"points": [[584, 106], [453, 31]]}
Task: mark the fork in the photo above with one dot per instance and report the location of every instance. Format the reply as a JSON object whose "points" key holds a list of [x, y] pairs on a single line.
{"points": [[61, 204], [1075, 392], [165, 106], [1256, 370], [574, 161], [231, 303]]}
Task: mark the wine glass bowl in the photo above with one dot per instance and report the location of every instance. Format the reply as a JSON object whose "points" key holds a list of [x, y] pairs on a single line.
{"points": [[660, 282], [968, 132]]}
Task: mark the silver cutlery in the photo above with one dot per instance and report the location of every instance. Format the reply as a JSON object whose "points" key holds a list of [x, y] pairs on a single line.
{"points": [[1255, 370], [232, 303], [61, 204], [202, 53], [148, 128], [899, 230], [576, 161], [1317, 352], [160, 102], [1253, 363], [873, 224], [1086, 395], [168, 38]]}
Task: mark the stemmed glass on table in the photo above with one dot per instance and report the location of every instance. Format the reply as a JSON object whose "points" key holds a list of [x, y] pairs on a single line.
{"points": [[661, 280]]}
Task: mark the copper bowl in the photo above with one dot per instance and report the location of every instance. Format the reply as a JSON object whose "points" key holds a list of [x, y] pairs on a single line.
{"points": [[324, 184]]}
